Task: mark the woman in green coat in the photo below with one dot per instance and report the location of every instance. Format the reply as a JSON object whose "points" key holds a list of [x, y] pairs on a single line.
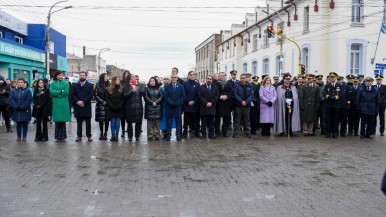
{"points": [[59, 90]]}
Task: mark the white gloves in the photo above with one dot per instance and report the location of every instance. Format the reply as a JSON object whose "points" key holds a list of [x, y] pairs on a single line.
{"points": [[288, 101]]}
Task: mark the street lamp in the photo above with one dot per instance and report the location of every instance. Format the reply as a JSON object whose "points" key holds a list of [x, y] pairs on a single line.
{"points": [[50, 12], [99, 59]]}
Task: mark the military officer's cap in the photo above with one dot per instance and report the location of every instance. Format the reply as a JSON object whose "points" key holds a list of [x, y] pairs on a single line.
{"points": [[276, 77], [379, 77], [319, 77], [264, 76], [233, 72], [369, 79], [340, 77], [287, 76], [361, 76], [355, 79], [332, 74], [310, 75], [255, 78], [295, 78], [350, 76]]}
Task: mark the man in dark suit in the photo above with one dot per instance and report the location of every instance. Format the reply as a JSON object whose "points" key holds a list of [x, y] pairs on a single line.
{"points": [[81, 95], [367, 102], [233, 81], [381, 89], [332, 93], [344, 100], [208, 95], [191, 105], [174, 96], [224, 105], [175, 72]]}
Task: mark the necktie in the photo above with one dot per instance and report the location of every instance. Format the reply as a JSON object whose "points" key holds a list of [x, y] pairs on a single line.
{"points": [[378, 87], [174, 86], [368, 89], [209, 88]]}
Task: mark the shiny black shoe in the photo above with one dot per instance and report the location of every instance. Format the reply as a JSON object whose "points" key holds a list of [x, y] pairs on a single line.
{"points": [[368, 137], [362, 137], [328, 136], [382, 134], [179, 138]]}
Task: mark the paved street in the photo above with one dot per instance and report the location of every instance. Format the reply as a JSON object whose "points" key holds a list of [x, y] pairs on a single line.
{"points": [[224, 177]]}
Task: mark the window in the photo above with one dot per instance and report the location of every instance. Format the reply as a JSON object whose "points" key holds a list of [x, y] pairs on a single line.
{"points": [[279, 65], [266, 40], [255, 42], [265, 66], [1, 34], [384, 12], [254, 68], [18, 40], [306, 22], [306, 58], [207, 52], [357, 11], [355, 59], [233, 66], [234, 50], [245, 67], [245, 46], [226, 69]]}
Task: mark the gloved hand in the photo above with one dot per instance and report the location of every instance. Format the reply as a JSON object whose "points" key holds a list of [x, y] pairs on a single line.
{"points": [[269, 103], [288, 101]]}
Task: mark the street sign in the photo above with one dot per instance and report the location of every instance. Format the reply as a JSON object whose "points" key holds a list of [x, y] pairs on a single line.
{"points": [[379, 69]]}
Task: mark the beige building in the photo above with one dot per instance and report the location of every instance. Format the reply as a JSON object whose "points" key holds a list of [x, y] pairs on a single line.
{"points": [[206, 56]]}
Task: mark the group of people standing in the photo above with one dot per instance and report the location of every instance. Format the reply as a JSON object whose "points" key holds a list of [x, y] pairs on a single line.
{"points": [[303, 104]]}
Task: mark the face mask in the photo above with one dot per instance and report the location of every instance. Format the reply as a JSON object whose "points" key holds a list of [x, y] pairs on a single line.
{"points": [[82, 79]]}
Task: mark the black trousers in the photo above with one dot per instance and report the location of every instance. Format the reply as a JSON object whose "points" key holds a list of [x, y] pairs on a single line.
{"points": [[106, 126], [322, 116], [79, 126], [39, 134], [288, 125], [254, 117], [138, 127], [343, 120], [225, 124], [191, 121], [332, 121], [367, 122], [265, 129], [381, 115], [353, 120], [207, 121], [6, 115]]}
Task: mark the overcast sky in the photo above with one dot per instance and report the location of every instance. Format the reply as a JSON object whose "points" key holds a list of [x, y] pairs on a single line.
{"points": [[148, 37]]}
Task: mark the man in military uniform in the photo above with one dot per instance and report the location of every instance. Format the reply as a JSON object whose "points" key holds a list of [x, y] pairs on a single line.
{"points": [[353, 115], [309, 103], [321, 110], [361, 80], [381, 89], [233, 81], [254, 114], [344, 101], [276, 81], [349, 78], [332, 94]]}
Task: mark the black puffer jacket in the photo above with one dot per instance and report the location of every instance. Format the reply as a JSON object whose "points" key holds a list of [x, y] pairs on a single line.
{"points": [[42, 103], [5, 91], [115, 103], [153, 94], [133, 103], [100, 97]]}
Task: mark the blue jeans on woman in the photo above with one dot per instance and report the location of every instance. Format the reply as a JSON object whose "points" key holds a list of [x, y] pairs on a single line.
{"points": [[115, 124], [22, 126]]}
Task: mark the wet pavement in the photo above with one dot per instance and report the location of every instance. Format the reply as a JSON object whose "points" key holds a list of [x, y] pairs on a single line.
{"points": [[276, 176]]}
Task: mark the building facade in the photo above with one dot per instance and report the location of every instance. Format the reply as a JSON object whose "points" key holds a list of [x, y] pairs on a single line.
{"points": [[338, 36], [88, 63], [206, 56], [22, 49]]}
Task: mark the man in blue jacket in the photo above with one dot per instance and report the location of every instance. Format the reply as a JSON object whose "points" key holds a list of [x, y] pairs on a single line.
{"points": [[174, 96], [243, 96], [81, 96], [191, 105]]}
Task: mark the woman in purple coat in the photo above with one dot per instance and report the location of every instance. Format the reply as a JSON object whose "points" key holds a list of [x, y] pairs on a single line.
{"points": [[268, 97]]}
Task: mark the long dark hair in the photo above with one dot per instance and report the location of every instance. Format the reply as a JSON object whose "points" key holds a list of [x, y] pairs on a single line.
{"points": [[36, 89], [101, 82], [156, 82], [128, 74], [56, 75]]}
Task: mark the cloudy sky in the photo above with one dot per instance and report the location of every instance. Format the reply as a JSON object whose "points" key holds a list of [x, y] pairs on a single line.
{"points": [[148, 37]]}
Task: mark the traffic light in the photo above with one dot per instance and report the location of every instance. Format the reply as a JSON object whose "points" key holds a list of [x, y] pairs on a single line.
{"points": [[279, 32], [270, 31], [303, 69]]}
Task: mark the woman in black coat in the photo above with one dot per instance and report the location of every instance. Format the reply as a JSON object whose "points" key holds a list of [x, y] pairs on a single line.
{"points": [[41, 110], [114, 98], [153, 111], [133, 107], [125, 77], [101, 105]]}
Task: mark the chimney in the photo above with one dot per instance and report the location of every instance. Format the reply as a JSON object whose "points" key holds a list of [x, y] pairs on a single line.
{"points": [[84, 51]]}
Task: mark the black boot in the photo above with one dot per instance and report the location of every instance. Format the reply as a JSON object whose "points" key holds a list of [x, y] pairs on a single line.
{"points": [[105, 136], [101, 136]]}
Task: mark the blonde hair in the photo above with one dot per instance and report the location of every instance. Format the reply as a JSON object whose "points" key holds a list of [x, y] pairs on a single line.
{"points": [[265, 80]]}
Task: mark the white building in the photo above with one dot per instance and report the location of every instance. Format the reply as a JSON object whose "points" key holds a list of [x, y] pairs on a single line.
{"points": [[339, 36]]}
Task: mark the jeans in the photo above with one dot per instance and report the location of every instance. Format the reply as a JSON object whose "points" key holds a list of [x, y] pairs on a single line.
{"points": [[22, 126], [115, 125], [178, 127]]}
